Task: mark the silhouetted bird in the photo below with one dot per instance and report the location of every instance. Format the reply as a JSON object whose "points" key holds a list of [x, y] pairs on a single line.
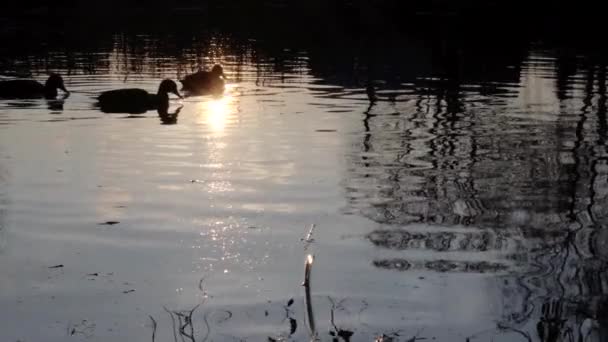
{"points": [[30, 89], [205, 82], [137, 101]]}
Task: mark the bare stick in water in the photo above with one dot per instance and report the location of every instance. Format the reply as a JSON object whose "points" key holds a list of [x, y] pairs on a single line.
{"points": [[307, 269], [200, 286], [311, 319]]}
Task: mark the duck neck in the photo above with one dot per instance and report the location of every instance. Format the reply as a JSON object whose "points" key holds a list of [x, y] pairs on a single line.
{"points": [[162, 96], [162, 93], [162, 100]]}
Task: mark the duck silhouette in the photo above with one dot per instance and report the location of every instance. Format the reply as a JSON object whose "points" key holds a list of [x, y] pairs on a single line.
{"points": [[137, 101], [205, 82], [30, 89]]}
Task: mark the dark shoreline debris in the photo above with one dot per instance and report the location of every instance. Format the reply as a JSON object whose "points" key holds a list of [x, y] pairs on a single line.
{"points": [[109, 223]]}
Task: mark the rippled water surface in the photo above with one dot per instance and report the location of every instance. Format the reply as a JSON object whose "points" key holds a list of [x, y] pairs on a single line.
{"points": [[467, 202]]}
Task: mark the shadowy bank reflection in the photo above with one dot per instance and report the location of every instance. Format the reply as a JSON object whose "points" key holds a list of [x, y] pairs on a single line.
{"points": [[488, 179]]}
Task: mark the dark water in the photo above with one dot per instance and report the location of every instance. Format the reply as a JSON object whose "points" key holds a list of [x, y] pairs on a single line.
{"points": [[467, 202]]}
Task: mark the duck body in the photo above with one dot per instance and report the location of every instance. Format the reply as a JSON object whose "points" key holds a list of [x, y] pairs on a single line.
{"points": [[136, 101], [205, 82], [30, 89], [133, 101]]}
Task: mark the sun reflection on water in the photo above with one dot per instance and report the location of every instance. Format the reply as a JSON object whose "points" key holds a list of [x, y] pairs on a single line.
{"points": [[217, 112]]}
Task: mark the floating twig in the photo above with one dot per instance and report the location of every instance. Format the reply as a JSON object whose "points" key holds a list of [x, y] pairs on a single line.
{"points": [[208, 328], [342, 333], [200, 285], [109, 223], [83, 328], [225, 318], [154, 325], [309, 239], [172, 323], [293, 326], [415, 337], [185, 322], [522, 333]]}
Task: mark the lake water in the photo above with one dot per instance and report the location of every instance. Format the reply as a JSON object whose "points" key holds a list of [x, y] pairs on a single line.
{"points": [[468, 202]]}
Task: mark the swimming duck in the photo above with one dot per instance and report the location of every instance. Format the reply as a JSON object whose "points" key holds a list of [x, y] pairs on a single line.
{"points": [[204, 82], [137, 101], [30, 89]]}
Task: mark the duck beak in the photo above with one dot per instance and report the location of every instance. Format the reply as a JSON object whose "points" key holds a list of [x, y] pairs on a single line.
{"points": [[224, 76], [62, 87], [177, 94]]}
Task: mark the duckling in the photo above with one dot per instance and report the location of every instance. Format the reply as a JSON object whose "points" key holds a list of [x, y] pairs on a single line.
{"points": [[137, 101], [205, 82], [30, 89]]}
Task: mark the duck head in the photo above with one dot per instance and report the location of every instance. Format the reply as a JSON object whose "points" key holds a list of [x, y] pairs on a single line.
{"points": [[218, 71], [55, 82], [168, 86]]}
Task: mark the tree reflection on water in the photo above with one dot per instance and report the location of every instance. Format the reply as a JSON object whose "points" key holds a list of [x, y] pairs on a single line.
{"points": [[453, 174]]}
